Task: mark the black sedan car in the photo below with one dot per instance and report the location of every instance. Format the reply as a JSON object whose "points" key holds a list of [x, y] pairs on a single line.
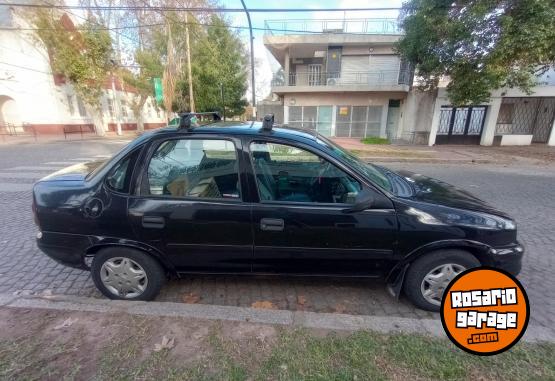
{"points": [[251, 199]]}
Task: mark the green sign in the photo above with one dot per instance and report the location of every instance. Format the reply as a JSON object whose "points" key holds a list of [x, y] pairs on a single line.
{"points": [[158, 91]]}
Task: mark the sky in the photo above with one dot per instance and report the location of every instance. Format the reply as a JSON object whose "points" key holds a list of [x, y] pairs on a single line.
{"points": [[266, 63]]}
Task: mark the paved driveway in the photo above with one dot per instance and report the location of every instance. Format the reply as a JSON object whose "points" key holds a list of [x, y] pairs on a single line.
{"points": [[524, 192]]}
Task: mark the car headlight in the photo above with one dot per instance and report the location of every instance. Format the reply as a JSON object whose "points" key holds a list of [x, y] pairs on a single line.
{"points": [[459, 217], [477, 219]]}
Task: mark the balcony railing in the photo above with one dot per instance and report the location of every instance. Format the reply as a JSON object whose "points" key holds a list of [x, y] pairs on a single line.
{"points": [[337, 26], [345, 78]]}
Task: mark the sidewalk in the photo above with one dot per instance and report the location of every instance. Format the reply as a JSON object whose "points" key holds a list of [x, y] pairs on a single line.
{"points": [[536, 154], [55, 138]]}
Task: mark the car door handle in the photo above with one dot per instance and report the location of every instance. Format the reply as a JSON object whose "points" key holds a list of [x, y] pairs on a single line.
{"points": [[272, 224], [153, 222]]}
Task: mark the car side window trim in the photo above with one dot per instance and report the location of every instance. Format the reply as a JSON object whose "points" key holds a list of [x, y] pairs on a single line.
{"points": [[314, 151], [143, 172]]}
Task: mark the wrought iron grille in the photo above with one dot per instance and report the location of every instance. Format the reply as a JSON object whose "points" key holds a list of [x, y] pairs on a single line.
{"points": [[526, 116]]}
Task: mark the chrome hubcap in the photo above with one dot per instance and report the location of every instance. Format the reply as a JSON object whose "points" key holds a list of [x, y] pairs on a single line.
{"points": [[436, 281], [123, 277]]}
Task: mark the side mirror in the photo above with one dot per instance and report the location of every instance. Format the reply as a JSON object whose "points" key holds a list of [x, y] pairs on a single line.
{"points": [[363, 201]]}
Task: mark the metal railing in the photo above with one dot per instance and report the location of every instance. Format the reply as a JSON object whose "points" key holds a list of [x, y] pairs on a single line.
{"points": [[338, 26], [12, 129], [376, 78]]}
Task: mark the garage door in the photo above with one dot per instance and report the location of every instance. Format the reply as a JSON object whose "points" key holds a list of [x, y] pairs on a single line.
{"points": [[354, 69]]}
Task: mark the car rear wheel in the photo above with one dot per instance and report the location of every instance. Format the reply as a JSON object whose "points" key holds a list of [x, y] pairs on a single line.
{"points": [[121, 273], [428, 276]]}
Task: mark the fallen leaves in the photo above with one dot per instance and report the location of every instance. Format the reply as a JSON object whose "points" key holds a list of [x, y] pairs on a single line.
{"points": [[301, 302], [339, 308], [165, 344], [191, 298], [264, 304], [65, 324]]}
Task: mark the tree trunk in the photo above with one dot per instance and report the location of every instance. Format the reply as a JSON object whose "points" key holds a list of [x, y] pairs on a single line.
{"points": [[97, 118], [139, 113]]}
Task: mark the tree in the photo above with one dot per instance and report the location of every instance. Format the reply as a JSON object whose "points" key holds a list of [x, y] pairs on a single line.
{"points": [[481, 45], [82, 57], [142, 79], [219, 59]]}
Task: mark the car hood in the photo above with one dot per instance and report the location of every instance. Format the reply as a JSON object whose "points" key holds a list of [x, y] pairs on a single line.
{"points": [[76, 172], [434, 191]]}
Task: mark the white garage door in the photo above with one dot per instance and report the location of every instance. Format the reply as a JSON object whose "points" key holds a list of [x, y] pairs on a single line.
{"points": [[354, 69], [386, 68]]}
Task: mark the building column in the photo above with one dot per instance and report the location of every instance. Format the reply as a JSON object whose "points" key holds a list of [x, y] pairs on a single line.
{"points": [[383, 123], [285, 114], [333, 119], [286, 68], [551, 139], [435, 122], [491, 122]]}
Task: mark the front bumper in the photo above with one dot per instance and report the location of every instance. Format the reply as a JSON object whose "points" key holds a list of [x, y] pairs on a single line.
{"points": [[508, 258]]}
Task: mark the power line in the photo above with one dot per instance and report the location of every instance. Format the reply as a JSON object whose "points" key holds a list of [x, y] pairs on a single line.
{"points": [[190, 23], [26, 68], [202, 9]]}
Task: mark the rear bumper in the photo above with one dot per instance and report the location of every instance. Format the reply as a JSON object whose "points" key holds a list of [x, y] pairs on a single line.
{"points": [[508, 258], [67, 249]]}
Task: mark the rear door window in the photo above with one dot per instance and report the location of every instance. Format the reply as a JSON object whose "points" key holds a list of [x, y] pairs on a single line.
{"points": [[194, 168]]}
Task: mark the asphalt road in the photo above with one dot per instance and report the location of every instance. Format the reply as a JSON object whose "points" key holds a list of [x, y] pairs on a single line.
{"points": [[526, 192]]}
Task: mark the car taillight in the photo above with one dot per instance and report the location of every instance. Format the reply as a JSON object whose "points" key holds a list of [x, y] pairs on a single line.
{"points": [[35, 214]]}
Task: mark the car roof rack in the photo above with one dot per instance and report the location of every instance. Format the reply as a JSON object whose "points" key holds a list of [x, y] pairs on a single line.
{"points": [[185, 118], [268, 122]]}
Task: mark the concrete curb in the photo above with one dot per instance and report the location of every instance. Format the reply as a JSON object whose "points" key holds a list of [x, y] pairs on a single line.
{"points": [[383, 324], [380, 159]]}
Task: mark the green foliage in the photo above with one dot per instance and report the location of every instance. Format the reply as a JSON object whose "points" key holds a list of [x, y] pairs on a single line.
{"points": [[482, 45], [83, 56], [218, 57], [374, 140]]}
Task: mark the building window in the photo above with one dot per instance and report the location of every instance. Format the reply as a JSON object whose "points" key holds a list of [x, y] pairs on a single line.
{"points": [[123, 109], [81, 107], [111, 107], [70, 104]]}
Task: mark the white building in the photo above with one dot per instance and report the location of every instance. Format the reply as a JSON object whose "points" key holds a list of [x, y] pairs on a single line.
{"points": [[32, 97]]}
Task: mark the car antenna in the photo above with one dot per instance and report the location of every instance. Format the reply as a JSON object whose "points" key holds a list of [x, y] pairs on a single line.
{"points": [[268, 122]]}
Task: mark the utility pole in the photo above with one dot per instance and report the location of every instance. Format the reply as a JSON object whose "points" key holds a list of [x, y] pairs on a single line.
{"points": [[189, 72], [117, 106], [223, 99], [252, 61]]}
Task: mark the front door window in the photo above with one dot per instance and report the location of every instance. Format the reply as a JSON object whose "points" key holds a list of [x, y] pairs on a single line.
{"points": [[291, 174]]}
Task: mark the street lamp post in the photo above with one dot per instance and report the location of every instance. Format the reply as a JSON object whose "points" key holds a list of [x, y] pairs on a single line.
{"points": [[252, 61]]}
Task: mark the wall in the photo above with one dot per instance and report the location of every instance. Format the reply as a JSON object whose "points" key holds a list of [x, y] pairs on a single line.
{"points": [[416, 116], [26, 78]]}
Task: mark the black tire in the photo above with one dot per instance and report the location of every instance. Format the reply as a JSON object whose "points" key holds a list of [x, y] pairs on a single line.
{"points": [[423, 265], [155, 273]]}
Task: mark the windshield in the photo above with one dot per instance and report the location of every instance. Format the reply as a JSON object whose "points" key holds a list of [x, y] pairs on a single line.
{"points": [[367, 170]]}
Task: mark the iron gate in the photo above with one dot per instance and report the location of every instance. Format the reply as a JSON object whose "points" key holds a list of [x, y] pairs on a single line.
{"points": [[461, 125]]}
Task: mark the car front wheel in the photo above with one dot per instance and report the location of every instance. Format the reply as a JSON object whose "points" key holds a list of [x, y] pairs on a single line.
{"points": [[121, 273], [428, 276]]}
